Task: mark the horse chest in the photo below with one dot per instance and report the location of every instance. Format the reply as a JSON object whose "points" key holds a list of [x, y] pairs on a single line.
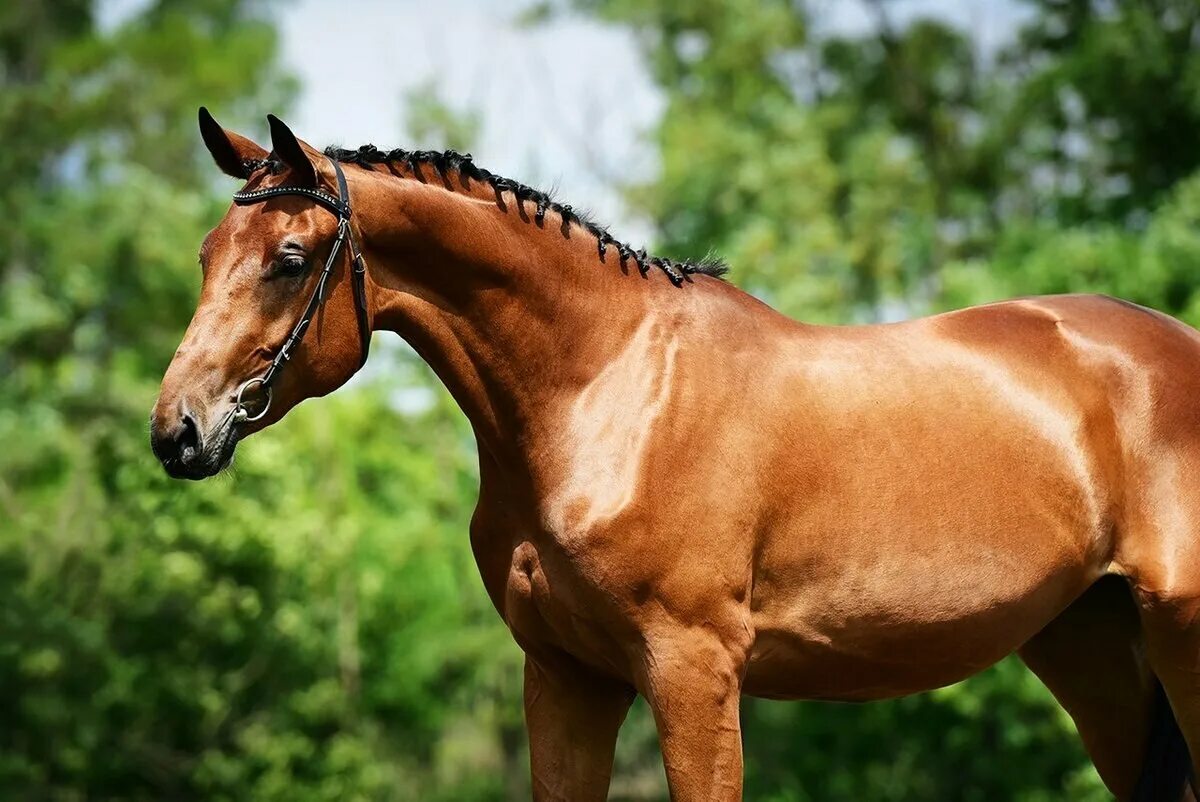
{"points": [[547, 610]]}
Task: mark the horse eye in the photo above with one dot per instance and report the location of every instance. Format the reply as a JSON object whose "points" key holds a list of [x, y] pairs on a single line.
{"points": [[291, 266]]}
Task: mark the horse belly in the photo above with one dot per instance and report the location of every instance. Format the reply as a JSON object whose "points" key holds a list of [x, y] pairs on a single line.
{"points": [[943, 510], [872, 632], [913, 579]]}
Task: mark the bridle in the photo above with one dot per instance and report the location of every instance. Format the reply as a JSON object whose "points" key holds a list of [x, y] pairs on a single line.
{"points": [[340, 206]]}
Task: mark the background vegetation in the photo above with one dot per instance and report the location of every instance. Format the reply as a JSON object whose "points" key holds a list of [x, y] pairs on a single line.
{"points": [[311, 627]]}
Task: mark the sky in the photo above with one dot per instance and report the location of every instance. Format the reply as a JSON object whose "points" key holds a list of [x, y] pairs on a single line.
{"points": [[565, 104]]}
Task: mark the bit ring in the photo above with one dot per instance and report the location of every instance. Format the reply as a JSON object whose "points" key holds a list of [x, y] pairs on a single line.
{"points": [[240, 413]]}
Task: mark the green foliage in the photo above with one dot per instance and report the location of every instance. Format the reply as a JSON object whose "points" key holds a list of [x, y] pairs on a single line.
{"points": [[1154, 265], [434, 125], [312, 627], [313, 630], [857, 177], [1110, 98], [996, 736]]}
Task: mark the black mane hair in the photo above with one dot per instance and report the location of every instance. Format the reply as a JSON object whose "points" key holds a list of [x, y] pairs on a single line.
{"points": [[446, 161]]}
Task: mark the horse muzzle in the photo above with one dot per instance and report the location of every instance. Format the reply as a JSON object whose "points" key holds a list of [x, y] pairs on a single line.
{"points": [[186, 450]]}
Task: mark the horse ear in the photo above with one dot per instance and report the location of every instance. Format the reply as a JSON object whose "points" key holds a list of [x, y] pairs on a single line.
{"points": [[232, 152], [289, 150]]}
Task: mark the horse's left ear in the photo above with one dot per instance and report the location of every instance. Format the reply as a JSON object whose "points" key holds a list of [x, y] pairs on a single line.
{"points": [[285, 145]]}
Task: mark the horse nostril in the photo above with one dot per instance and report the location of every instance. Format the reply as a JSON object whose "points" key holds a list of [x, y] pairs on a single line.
{"points": [[188, 439]]}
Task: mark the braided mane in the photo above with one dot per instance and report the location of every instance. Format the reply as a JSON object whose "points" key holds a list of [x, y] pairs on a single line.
{"points": [[446, 161]]}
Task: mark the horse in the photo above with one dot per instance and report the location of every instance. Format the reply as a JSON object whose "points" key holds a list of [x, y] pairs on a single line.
{"points": [[686, 495]]}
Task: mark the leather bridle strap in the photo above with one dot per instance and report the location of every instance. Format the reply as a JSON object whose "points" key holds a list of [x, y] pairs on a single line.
{"points": [[340, 206]]}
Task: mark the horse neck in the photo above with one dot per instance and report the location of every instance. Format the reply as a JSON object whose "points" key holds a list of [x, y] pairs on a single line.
{"points": [[513, 316]]}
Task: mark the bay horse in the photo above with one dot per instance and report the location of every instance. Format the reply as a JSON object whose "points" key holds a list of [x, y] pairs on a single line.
{"points": [[687, 495]]}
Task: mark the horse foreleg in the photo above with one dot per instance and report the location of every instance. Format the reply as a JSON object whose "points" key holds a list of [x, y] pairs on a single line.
{"points": [[693, 685], [573, 716]]}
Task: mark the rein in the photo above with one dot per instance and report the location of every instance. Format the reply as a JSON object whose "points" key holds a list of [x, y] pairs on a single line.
{"points": [[340, 206]]}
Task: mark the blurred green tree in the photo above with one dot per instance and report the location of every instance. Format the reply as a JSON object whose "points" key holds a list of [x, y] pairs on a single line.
{"points": [[853, 176], [314, 631], [1107, 104]]}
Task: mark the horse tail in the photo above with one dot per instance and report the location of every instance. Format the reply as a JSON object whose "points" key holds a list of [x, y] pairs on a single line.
{"points": [[1167, 768]]}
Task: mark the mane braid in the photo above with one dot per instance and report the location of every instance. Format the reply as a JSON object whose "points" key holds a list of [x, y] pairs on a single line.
{"points": [[446, 161]]}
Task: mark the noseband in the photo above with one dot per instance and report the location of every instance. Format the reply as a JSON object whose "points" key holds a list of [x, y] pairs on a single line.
{"points": [[340, 206]]}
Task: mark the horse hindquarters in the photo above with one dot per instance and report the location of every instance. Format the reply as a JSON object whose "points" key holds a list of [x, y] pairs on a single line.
{"points": [[1092, 658]]}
